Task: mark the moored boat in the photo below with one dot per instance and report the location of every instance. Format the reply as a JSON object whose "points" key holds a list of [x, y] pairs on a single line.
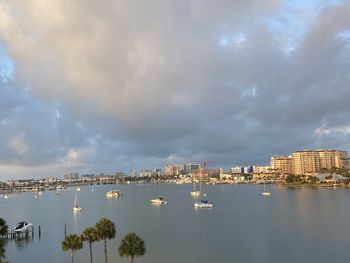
{"points": [[159, 200], [113, 193], [22, 226], [203, 204]]}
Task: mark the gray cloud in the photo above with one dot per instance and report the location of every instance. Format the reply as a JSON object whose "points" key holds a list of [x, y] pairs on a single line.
{"points": [[144, 84]]}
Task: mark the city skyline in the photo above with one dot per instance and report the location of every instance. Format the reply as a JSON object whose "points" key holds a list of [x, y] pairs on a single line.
{"points": [[91, 87]]}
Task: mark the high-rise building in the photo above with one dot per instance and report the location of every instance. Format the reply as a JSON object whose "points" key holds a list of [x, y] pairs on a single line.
{"points": [[71, 176], [305, 162], [180, 169], [282, 164], [133, 173], [314, 161]]}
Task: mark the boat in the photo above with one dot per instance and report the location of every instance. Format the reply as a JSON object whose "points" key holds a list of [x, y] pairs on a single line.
{"points": [[76, 207], [265, 193], [78, 189], [22, 226], [203, 204], [6, 196], [159, 201], [113, 193], [195, 193]]}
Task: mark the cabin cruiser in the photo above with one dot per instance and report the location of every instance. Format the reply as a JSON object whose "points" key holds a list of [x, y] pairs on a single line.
{"points": [[203, 204], [159, 201], [22, 226], [113, 193], [76, 208]]}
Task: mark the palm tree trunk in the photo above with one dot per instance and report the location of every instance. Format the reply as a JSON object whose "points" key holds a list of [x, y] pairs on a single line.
{"points": [[132, 259], [72, 256], [90, 253], [106, 258]]}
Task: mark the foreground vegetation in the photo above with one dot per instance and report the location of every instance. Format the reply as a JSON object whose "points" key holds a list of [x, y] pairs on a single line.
{"points": [[131, 246], [3, 231]]}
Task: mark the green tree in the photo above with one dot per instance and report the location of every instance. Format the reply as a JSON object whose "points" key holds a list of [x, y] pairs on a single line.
{"points": [[3, 227], [105, 230], [89, 235], [132, 246], [73, 243], [3, 231]]}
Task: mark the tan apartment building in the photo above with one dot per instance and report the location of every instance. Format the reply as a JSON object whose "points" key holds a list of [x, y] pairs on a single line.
{"points": [[313, 161], [282, 164]]}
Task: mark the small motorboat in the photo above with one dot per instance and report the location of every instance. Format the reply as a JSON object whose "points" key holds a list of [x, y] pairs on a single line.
{"points": [[203, 204], [159, 201], [113, 193], [22, 227], [266, 193], [76, 208]]}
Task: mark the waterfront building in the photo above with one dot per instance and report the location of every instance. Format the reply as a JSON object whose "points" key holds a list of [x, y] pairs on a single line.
{"points": [[146, 173], [180, 169], [71, 176], [237, 170], [133, 173], [282, 164], [310, 162], [51, 179], [261, 169], [224, 176]]}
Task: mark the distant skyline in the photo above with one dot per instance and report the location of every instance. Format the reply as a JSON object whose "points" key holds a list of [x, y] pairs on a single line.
{"points": [[94, 87]]}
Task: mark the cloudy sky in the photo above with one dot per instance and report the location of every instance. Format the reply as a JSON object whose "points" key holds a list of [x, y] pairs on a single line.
{"points": [[104, 86]]}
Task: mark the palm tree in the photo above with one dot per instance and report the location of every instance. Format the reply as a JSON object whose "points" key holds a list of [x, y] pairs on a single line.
{"points": [[89, 235], [73, 243], [3, 227], [132, 246], [3, 231], [105, 230]]}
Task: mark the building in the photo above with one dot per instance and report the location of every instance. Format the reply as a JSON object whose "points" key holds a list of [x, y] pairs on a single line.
{"points": [[310, 162], [282, 164], [180, 169], [146, 173], [133, 173], [261, 169], [171, 170], [51, 179], [237, 170], [71, 176]]}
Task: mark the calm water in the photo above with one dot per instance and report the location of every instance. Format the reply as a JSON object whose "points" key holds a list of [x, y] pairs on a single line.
{"points": [[292, 225]]}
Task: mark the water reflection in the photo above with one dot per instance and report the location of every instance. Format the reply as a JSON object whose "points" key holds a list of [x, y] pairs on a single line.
{"points": [[23, 242]]}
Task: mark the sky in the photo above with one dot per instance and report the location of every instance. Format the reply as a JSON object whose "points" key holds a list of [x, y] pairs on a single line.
{"points": [[96, 86]]}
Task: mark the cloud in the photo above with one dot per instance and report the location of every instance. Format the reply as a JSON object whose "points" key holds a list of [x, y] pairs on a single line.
{"points": [[130, 84]]}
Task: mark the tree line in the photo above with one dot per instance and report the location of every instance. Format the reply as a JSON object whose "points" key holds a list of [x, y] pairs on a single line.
{"points": [[131, 245]]}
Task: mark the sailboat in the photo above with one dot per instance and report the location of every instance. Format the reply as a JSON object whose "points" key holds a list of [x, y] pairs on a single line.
{"points": [[76, 207], [194, 192], [266, 193]]}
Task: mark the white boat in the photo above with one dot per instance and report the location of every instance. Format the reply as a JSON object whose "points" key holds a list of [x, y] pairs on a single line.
{"points": [[203, 204], [159, 201], [76, 207], [265, 193], [6, 196], [78, 188], [22, 226], [113, 193]]}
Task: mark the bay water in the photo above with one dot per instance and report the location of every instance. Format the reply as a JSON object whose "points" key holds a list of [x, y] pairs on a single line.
{"points": [[291, 225]]}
